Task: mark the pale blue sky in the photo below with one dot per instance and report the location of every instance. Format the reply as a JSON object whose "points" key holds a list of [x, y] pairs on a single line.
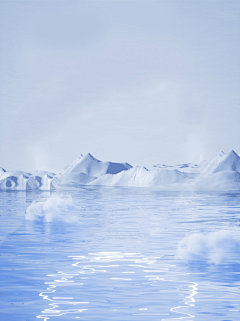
{"points": [[139, 81]]}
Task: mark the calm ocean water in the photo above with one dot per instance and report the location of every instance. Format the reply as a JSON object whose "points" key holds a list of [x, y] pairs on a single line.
{"points": [[113, 254]]}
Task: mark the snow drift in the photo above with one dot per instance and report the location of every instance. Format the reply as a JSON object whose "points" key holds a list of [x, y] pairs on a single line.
{"points": [[220, 173], [216, 247]]}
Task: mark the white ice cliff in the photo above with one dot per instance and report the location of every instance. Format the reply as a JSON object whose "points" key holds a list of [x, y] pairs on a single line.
{"points": [[18, 180]]}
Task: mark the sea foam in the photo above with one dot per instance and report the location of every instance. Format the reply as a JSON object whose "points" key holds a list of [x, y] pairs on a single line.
{"points": [[214, 247], [55, 208]]}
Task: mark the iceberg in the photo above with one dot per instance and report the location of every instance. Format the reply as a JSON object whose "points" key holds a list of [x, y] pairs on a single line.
{"points": [[23, 181], [141, 177], [222, 180], [17, 180], [46, 180], [85, 169], [223, 162], [220, 173]]}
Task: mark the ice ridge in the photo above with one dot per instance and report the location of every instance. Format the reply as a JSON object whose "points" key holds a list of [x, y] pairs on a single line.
{"points": [[220, 173]]}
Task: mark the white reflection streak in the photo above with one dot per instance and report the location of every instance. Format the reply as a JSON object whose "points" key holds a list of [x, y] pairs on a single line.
{"points": [[96, 257], [189, 303], [102, 260], [53, 306]]}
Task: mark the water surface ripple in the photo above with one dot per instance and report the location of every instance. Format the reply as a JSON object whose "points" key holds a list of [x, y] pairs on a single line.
{"points": [[119, 260]]}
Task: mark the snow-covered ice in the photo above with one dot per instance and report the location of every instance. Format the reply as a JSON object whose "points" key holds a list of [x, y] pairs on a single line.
{"points": [[85, 169], [220, 173], [17, 180]]}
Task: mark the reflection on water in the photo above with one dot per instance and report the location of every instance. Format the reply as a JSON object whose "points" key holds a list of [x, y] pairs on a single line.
{"points": [[119, 285], [118, 260]]}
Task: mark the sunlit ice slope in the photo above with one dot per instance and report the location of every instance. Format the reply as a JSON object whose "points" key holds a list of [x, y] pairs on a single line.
{"points": [[85, 169]]}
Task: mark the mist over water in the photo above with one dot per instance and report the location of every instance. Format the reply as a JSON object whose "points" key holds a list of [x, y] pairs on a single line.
{"points": [[215, 247], [119, 254], [58, 207]]}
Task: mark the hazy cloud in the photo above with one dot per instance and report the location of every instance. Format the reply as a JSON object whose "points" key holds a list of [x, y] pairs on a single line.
{"points": [[144, 82]]}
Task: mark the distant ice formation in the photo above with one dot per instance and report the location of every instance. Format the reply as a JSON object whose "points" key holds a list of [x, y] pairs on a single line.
{"points": [[142, 177], [18, 180], [220, 173], [46, 180], [85, 169]]}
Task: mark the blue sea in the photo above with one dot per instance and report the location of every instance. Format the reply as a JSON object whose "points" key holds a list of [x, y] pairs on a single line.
{"points": [[111, 253]]}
